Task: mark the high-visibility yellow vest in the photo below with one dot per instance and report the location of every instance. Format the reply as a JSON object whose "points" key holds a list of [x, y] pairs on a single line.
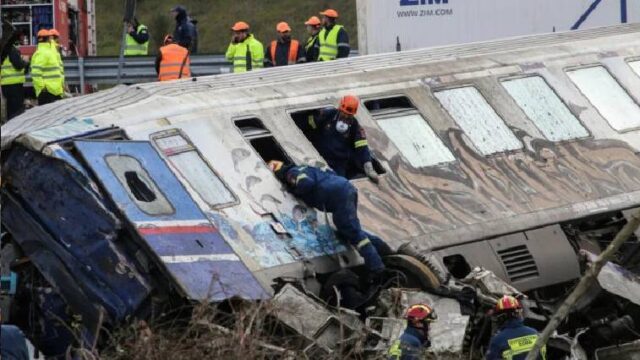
{"points": [[395, 351], [522, 345], [310, 41], [45, 70], [10, 75], [132, 47], [237, 53], [329, 43]]}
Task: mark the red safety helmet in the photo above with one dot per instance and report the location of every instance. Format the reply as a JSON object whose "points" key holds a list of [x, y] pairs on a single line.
{"points": [[508, 303], [420, 313], [168, 39], [283, 27], [349, 104]]}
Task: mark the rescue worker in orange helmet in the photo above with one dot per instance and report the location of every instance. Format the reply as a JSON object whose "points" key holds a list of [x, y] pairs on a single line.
{"points": [[415, 337], [312, 46], [284, 50], [172, 61], [514, 340], [333, 39], [341, 140], [245, 51]]}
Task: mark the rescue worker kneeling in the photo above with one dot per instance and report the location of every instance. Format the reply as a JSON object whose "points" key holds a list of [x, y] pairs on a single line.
{"points": [[415, 337], [172, 61], [326, 191], [514, 340]]}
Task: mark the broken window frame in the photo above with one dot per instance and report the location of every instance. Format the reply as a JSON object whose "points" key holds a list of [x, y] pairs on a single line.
{"points": [[156, 190], [596, 108], [554, 92], [266, 134], [403, 112], [377, 165], [435, 91], [191, 147]]}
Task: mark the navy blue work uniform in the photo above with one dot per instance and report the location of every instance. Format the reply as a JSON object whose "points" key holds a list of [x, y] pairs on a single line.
{"points": [[340, 150], [12, 343], [410, 345], [513, 341], [326, 191], [185, 30]]}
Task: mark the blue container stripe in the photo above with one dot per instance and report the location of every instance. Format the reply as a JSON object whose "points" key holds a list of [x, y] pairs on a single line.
{"points": [[187, 244]]}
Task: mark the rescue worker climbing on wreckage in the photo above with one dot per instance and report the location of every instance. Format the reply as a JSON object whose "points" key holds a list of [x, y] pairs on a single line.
{"points": [[340, 140], [514, 340], [326, 191], [415, 337]]}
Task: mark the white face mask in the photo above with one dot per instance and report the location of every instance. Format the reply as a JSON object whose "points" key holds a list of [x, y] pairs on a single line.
{"points": [[341, 126]]}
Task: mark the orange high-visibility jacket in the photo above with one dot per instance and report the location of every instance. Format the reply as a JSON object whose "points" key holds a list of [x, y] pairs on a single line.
{"points": [[293, 52], [173, 58]]}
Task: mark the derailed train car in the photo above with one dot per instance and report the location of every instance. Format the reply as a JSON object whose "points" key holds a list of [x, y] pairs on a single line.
{"points": [[509, 155]]}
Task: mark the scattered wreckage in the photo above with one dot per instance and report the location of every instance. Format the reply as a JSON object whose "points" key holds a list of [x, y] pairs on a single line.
{"points": [[126, 203]]}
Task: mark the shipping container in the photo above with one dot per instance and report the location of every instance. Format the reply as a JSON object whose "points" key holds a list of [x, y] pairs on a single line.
{"points": [[394, 25]]}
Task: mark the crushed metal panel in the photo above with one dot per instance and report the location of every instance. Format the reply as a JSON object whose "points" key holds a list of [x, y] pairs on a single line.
{"points": [[299, 311], [628, 351], [618, 280], [489, 283], [185, 243], [607, 96], [544, 108], [478, 119], [415, 139], [635, 65]]}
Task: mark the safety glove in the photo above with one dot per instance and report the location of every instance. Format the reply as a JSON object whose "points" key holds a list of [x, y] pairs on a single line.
{"points": [[371, 172]]}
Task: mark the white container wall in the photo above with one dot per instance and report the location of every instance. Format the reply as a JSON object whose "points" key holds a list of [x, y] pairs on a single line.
{"points": [[382, 24]]}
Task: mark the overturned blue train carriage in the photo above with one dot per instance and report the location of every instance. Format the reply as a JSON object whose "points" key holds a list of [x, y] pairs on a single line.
{"points": [[510, 155]]}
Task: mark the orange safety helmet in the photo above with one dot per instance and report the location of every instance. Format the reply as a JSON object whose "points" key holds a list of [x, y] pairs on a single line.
{"points": [[349, 104], [168, 39], [420, 313], [283, 27], [330, 13], [313, 21], [508, 303], [240, 26], [275, 165], [43, 33], [54, 32]]}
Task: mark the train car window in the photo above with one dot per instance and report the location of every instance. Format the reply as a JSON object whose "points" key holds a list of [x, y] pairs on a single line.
{"points": [[607, 96], [139, 185], [261, 139], [478, 120], [305, 120], [188, 161], [409, 131], [635, 65], [545, 109]]}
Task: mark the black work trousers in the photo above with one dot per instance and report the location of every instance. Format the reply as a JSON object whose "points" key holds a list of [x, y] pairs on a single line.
{"points": [[45, 97], [14, 94]]}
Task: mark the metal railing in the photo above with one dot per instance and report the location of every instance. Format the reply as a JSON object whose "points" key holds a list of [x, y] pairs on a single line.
{"points": [[136, 69]]}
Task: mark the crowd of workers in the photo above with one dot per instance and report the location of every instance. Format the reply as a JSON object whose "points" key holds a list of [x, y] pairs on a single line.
{"points": [[327, 41]]}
